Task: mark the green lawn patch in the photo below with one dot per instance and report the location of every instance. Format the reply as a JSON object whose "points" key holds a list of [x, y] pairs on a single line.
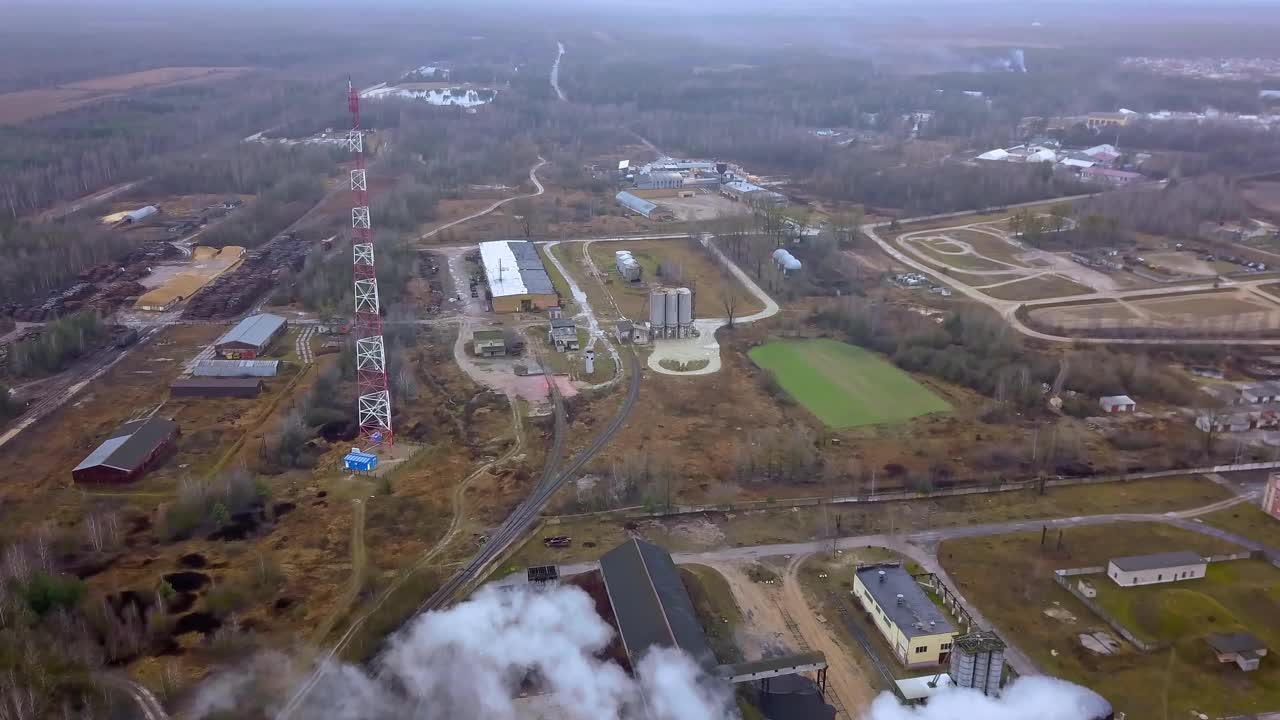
{"points": [[1008, 577], [844, 385]]}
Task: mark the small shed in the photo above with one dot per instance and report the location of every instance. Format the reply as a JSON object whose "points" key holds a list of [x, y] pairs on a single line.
{"points": [[626, 331], [1118, 403], [563, 335], [1154, 569], [1242, 648], [360, 461], [489, 343], [1086, 588]]}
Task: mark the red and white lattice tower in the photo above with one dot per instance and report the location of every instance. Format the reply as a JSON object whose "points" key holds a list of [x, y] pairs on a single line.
{"points": [[374, 404]]}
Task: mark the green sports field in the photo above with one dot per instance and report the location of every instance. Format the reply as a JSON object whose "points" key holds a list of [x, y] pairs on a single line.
{"points": [[844, 385]]}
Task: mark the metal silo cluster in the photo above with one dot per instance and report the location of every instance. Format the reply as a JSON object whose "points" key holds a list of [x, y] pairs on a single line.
{"points": [[627, 266], [671, 312]]}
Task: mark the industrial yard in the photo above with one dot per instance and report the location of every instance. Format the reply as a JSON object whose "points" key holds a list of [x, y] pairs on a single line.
{"points": [[320, 383]]}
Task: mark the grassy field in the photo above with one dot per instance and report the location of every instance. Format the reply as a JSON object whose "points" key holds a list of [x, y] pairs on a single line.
{"points": [[1045, 286], [557, 280], [1187, 677], [958, 262], [845, 386], [685, 264], [24, 105], [592, 536], [717, 612], [1248, 520]]}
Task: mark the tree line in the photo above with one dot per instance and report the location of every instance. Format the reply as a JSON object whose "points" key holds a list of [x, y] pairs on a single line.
{"points": [[40, 257], [59, 344]]}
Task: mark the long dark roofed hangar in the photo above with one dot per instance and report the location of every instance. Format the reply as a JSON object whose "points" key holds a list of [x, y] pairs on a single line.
{"points": [[128, 452], [650, 602]]}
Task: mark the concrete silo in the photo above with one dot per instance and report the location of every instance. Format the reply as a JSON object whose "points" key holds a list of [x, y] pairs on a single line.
{"points": [[673, 314], [684, 304], [657, 312], [977, 661]]}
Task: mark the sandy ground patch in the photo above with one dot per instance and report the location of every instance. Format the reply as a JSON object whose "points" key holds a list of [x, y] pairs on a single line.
{"points": [[703, 207], [1183, 262]]}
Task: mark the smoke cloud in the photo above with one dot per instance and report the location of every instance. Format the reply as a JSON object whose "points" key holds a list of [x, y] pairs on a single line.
{"points": [[471, 660], [1028, 698]]}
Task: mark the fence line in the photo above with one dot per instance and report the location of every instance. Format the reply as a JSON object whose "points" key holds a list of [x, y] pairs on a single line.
{"points": [[639, 511], [1115, 624]]}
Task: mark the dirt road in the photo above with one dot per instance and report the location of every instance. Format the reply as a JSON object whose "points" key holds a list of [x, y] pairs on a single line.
{"points": [[533, 177], [780, 620]]}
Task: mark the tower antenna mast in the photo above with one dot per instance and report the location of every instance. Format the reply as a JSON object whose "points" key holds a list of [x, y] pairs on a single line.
{"points": [[373, 408]]}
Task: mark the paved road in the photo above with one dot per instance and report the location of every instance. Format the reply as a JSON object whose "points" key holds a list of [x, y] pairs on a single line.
{"points": [[921, 546], [533, 177], [1008, 308], [555, 73]]}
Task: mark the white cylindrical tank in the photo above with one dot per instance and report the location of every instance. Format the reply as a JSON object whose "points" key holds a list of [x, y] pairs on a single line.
{"points": [[673, 312], [657, 309], [141, 213], [686, 306], [589, 362], [786, 260]]}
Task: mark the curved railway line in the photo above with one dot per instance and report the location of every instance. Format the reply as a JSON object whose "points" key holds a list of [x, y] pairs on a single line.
{"points": [[516, 524]]}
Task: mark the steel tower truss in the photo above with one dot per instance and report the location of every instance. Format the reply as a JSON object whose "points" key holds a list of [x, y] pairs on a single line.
{"points": [[374, 405]]}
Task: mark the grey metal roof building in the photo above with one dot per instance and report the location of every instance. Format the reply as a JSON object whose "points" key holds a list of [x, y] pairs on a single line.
{"points": [[216, 387], [1178, 558], [253, 333], [915, 615], [518, 281], [650, 602], [236, 368], [636, 204], [127, 452]]}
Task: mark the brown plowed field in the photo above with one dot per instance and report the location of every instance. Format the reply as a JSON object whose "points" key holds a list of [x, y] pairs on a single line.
{"points": [[19, 107]]}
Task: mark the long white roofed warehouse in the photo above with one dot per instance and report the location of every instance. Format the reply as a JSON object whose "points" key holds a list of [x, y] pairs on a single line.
{"points": [[518, 281]]}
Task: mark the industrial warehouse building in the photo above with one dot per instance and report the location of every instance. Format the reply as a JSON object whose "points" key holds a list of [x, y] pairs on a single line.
{"points": [[216, 387], [635, 204], [128, 452], [518, 281], [751, 194], [651, 604], [236, 368], [916, 629], [1158, 568], [251, 337], [660, 181]]}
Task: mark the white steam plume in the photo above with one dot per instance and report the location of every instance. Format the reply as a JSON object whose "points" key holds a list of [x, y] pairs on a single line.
{"points": [[469, 662], [1029, 698]]}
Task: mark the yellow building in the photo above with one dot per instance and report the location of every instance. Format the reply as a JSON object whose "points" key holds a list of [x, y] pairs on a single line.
{"points": [[518, 281], [914, 627], [1104, 120]]}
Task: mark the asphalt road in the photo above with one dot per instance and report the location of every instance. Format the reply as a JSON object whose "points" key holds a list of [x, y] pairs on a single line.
{"points": [[921, 546]]}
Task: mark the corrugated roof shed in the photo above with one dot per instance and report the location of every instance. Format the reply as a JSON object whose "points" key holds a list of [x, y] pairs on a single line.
{"points": [[650, 602], [236, 368], [131, 444], [636, 203], [255, 330], [216, 387], [1157, 561]]}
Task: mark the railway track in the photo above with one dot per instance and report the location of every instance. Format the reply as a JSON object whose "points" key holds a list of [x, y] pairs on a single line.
{"points": [[527, 512], [551, 480]]}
